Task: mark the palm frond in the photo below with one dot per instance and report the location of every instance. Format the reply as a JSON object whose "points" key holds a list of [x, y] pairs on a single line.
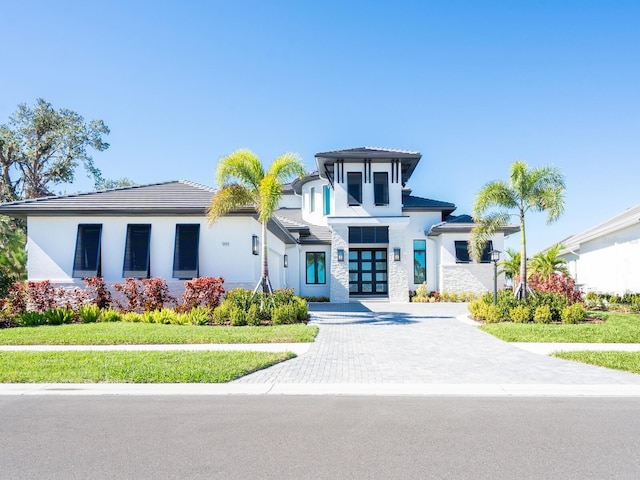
{"points": [[286, 167], [241, 166], [270, 192], [229, 198], [485, 228], [494, 194]]}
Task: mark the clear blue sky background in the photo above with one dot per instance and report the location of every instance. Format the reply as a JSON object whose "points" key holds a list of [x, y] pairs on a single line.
{"points": [[472, 85]]}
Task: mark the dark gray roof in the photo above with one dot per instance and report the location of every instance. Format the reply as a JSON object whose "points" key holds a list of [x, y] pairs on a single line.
{"points": [[163, 198], [411, 203], [369, 152], [291, 218], [463, 224], [408, 159]]}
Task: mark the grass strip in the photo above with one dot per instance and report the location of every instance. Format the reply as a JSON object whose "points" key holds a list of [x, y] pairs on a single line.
{"points": [[122, 333], [617, 328], [133, 367], [627, 361]]}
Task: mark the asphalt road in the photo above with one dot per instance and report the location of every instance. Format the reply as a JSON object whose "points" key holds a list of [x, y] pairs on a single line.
{"points": [[258, 437]]}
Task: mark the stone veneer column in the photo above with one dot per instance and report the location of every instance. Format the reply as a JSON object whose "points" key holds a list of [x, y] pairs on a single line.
{"points": [[339, 288], [397, 271]]}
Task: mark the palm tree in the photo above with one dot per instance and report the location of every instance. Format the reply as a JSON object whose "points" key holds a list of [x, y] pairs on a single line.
{"points": [[539, 189], [546, 263], [243, 182], [510, 266]]}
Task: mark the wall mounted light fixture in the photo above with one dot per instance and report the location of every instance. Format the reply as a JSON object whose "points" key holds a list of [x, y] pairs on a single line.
{"points": [[396, 254], [340, 255], [286, 261], [255, 244]]}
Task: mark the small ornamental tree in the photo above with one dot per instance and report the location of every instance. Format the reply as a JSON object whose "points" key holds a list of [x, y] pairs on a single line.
{"points": [[556, 283], [203, 291], [98, 291]]}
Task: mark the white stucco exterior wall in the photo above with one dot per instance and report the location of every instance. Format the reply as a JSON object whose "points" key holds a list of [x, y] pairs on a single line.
{"points": [[224, 249], [609, 264]]}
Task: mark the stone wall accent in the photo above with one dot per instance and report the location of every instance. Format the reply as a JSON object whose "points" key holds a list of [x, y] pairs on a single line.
{"points": [[339, 271], [398, 271], [468, 277]]}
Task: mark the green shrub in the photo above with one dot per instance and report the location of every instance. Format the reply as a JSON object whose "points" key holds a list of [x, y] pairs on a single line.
{"points": [[30, 319], [542, 314], [574, 313], [238, 318], [520, 314], [615, 299], [284, 314], [222, 313], [492, 314], [477, 309], [89, 313], [110, 315], [253, 316], [241, 298], [132, 317], [302, 309], [58, 316], [555, 301], [200, 315]]}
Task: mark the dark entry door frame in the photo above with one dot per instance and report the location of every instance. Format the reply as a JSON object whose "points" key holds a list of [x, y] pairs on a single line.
{"points": [[368, 271]]}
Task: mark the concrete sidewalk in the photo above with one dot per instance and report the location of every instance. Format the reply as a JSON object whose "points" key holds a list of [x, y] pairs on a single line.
{"points": [[377, 348]]}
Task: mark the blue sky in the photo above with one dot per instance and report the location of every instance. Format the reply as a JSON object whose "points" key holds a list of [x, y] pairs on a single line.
{"points": [[472, 85]]}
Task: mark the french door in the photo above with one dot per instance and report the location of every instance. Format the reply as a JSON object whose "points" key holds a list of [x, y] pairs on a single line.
{"points": [[368, 271]]}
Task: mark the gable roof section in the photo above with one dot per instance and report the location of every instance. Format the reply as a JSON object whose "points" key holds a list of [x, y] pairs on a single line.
{"points": [[629, 217], [408, 159], [463, 224], [164, 198], [411, 203], [291, 218]]}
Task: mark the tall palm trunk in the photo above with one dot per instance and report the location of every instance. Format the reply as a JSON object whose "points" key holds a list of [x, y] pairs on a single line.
{"points": [[264, 274], [521, 292]]}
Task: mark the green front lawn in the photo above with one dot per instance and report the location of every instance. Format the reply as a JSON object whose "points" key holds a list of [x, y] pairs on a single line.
{"points": [[122, 333], [627, 361], [617, 328], [132, 367]]}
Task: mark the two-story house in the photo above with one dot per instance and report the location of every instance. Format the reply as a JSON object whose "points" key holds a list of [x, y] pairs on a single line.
{"points": [[352, 229]]}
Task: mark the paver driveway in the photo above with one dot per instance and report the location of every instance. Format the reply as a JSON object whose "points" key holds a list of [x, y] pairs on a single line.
{"points": [[376, 342]]}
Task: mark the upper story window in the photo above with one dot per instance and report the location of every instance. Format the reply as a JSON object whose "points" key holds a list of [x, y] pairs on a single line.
{"points": [[312, 199], [381, 188], [87, 261], [463, 256], [185, 253], [137, 251], [354, 187], [326, 194]]}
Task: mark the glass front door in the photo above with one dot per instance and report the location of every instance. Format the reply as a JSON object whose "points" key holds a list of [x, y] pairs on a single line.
{"points": [[367, 271]]}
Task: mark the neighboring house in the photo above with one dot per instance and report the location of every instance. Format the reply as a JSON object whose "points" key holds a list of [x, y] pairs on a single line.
{"points": [[606, 258], [352, 229]]}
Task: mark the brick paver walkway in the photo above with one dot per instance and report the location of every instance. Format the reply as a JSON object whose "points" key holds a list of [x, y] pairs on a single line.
{"points": [[376, 342]]}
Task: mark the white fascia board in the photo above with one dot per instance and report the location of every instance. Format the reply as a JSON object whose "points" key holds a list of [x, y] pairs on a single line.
{"points": [[360, 221]]}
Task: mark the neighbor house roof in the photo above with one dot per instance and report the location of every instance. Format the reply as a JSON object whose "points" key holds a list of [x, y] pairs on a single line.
{"points": [[629, 217], [463, 224], [408, 159], [164, 198]]}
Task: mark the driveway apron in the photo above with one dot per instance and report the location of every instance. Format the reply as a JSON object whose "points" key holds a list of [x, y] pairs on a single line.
{"points": [[378, 342]]}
